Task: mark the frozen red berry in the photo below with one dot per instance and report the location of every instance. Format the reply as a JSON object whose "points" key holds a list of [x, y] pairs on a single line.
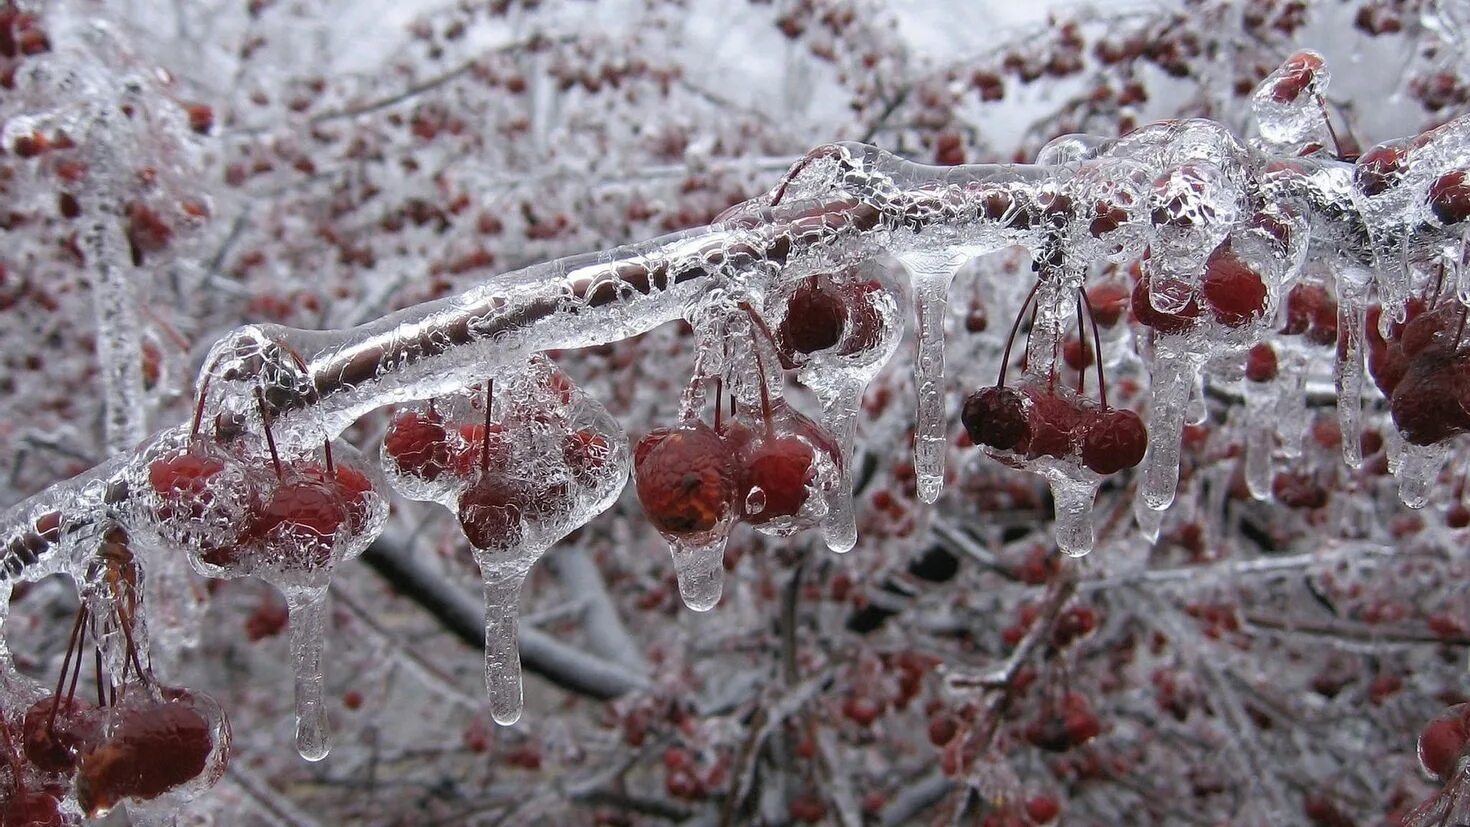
{"points": [[686, 479], [418, 444], [1115, 440], [996, 417]]}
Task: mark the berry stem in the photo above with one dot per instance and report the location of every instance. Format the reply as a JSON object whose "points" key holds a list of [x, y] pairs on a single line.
{"points": [[1337, 144], [760, 365], [1081, 343], [485, 438], [66, 662], [1005, 358], [199, 410], [1102, 385], [270, 441], [327, 458], [719, 394]]}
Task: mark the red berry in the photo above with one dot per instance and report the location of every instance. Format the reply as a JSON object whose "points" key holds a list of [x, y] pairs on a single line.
{"points": [[1295, 76], [1449, 197], [151, 750], [1443, 742], [586, 455], [1116, 439], [781, 467], [1182, 320], [1234, 292], [686, 479], [1055, 423], [1379, 169], [1260, 363], [490, 512], [815, 318], [32, 809], [299, 522], [418, 444], [1108, 300], [1042, 809], [996, 417], [182, 481], [54, 743]]}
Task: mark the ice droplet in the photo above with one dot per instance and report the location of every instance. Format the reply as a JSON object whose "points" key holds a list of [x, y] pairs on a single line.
{"points": [[308, 615], [1260, 399], [1073, 494], [755, 501], [502, 650], [1417, 470], [1149, 521], [700, 567], [840, 403], [1169, 391]]}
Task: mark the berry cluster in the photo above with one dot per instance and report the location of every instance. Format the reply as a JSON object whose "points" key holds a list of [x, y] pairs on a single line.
{"points": [[140, 743]]}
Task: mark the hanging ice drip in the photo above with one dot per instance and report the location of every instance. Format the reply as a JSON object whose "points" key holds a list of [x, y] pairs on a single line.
{"points": [[523, 461], [243, 496]]}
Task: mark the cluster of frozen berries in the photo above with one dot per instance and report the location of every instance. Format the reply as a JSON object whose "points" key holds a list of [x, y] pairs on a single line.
{"points": [[519, 460]]}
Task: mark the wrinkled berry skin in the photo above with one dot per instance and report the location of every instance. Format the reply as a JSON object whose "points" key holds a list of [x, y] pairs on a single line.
{"points": [[686, 479], [76, 727], [995, 417]]}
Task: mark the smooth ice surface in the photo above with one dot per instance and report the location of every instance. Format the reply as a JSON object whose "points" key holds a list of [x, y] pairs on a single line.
{"points": [[308, 613]]}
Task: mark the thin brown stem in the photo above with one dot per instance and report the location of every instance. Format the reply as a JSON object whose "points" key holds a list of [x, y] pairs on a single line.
{"points": [[270, 440], [1005, 357]]}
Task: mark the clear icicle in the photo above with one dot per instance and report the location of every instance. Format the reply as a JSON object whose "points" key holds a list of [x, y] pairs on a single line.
{"points": [[701, 570], [1170, 387], [841, 402], [931, 278], [502, 652], [1291, 403], [1198, 411], [1348, 373], [1149, 521], [1073, 495], [1260, 400], [175, 608], [1417, 470], [308, 613]]}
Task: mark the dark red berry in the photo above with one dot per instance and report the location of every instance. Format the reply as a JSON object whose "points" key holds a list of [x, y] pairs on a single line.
{"points": [[56, 732], [815, 318], [1443, 742], [996, 417], [299, 522], [490, 512], [781, 467], [418, 444], [1234, 292], [1115, 440], [1449, 197], [1379, 169], [1179, 321], [1260, 363], [151, 750]]}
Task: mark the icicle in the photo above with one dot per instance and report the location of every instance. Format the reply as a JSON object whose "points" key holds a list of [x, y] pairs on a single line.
{"points": [[701, 570], [502, 650], [1260, 400], [841, 402], [1348, 374], [1148, 520], [1417, 471], [1198, 411], [308, 617], [1173, 377], [175, 607], [1291, 402], [1072, 492], [931, 276]]}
